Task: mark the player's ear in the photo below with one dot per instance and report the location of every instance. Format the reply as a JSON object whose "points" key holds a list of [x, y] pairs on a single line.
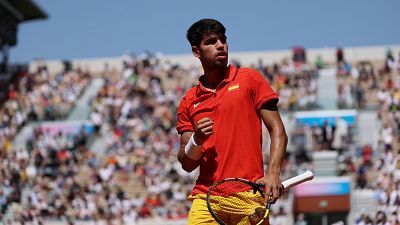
{"points": [[196, 51]]}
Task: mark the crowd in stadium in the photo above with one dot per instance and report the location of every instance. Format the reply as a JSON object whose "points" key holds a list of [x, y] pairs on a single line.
{"points": [[138, 176], [376, 85]]}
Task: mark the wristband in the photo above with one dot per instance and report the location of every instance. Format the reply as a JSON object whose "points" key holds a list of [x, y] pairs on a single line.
{"points": [[192, 149], [192, 140]]}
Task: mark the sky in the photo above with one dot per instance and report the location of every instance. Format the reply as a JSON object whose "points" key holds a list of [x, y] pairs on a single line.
{"points": [[79, 29]]}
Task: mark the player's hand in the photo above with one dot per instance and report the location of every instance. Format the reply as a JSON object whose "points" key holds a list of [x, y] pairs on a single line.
{"points": [[273, 186], [204, 128]]}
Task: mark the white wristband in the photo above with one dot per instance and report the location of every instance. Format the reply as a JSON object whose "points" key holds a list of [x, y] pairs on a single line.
{"points": [[192, 139], [193, 150]]}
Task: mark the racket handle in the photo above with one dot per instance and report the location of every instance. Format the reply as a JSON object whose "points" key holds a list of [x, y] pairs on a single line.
{"points": [[308, 175]]}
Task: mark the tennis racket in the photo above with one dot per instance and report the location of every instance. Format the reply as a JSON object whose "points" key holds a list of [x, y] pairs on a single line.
{"points": [[239, 201]]}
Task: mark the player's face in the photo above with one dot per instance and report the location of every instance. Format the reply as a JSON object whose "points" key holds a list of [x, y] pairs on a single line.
{"points": [[213, 51]]}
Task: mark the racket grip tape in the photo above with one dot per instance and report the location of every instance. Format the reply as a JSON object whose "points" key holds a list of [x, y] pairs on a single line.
{"points": [[308, 175]]}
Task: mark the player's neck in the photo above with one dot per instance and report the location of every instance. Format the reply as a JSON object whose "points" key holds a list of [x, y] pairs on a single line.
{"points": [[212, 78]]}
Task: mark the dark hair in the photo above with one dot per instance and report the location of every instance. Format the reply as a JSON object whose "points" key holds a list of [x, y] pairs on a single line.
{"points": [[204, 26]]}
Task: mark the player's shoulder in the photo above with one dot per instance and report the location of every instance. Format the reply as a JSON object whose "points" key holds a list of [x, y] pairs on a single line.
{"points": [[190, 94], [192, 91], [247, 72]]}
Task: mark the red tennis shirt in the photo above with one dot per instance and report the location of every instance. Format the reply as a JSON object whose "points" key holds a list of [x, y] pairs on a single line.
{"points": [[234, 149]]}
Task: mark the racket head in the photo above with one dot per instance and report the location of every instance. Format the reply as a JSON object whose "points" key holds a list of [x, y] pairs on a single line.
{"points": [[237, 201]]}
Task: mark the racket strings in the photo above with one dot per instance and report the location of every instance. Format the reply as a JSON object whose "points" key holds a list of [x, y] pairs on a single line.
{"points": [[234, 201]]}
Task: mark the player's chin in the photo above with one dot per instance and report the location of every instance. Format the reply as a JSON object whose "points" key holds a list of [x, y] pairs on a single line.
{"points": [[221, 63]]}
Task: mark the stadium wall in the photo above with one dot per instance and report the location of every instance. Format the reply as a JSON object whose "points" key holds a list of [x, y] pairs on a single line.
{"points": [[352, 54]]}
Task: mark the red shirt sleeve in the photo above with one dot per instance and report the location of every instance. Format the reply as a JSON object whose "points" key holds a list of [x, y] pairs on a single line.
{"points": [[184, 121], [261, 90]]}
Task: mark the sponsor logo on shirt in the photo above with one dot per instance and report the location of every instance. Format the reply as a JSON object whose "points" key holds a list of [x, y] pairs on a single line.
{"points": [[196, 104], [233, 87]]}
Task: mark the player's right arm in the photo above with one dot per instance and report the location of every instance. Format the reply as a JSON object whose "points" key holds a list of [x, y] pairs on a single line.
{"points": [[190, 151], [188, 164]]}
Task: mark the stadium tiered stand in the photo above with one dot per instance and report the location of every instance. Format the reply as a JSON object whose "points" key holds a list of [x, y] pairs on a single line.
{"points": [[111, 157]]}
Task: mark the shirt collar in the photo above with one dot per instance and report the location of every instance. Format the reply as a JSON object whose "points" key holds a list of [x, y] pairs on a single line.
{"points": [[229, 76]]}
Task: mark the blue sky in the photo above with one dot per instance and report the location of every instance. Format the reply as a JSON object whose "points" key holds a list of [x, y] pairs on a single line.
{"points": [[100, 28]]}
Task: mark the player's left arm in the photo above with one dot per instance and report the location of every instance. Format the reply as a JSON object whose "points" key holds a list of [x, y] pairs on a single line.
{"points": [[270, 115]]}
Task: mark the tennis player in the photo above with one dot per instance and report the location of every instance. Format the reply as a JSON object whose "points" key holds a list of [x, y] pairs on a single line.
{"points": [[219, 122]]}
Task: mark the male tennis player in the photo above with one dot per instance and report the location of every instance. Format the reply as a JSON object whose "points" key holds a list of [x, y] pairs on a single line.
{"points": [[219, 121]]}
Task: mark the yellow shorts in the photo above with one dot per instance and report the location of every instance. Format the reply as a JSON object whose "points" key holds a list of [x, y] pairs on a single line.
{"points": [[199, 213]]}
